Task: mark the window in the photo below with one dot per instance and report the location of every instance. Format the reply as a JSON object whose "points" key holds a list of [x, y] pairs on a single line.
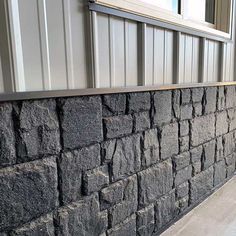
{"points": [[211, 16]]}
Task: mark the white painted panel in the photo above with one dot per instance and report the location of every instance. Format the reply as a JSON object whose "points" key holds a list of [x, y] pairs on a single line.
{"points": [[117, 55], [1, 77], [206, 57], [188, 59], [228, 62], [210, 62], [182, 57], [103, 50], [29, 25], [159, 52], [168, 57], [131, 53], [149, 55], [216, 61], [195, 60]]}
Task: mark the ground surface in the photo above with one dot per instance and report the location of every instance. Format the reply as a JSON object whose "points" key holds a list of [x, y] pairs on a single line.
{"points": [[216, 216]]}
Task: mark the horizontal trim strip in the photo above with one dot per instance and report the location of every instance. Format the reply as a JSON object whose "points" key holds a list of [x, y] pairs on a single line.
{"points": [[115, 12], [16, 96]]}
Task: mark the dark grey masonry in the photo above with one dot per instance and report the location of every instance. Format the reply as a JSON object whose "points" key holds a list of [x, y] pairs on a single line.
{"points": [[120, 164]]}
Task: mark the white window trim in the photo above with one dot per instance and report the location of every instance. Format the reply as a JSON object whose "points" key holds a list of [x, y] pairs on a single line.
{"points": [[154, 12]]}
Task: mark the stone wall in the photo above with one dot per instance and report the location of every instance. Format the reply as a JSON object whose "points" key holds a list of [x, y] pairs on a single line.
{"points": [[114, 165]]}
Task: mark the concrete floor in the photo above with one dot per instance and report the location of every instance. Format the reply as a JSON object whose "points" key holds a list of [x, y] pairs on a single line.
{"points": [[216, 216]]}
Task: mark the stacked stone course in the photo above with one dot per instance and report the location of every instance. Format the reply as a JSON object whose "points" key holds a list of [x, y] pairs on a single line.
{"points": [[113, 165]]}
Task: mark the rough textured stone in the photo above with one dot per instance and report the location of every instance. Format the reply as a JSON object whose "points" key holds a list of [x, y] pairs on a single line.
{"points": [[230, 171], [7, 136], [185, 96], [210, 100], [184, 128], [232, 119], [81, 121], [82, 218], [220, 173], [183, 203], [197, 109], [221, 99], [184, 144], [201, 184], [43, 226], [141, 121], [209, 154], [107, 150], [230, 160], [221, 123], [202, 129], [112, 195], [37, 129], [229, 144], [27, 191], [129, 204], [126, 228], [150, 154], [118, 126], [162, 107], [159, 175], [196, 154], [169, 141], [186, 112], [114, 105], [230, 96], [182, 190], [183, 175], [197, 94], [181, 161], [127, 157], [219, 149], [176, 103], [145, 221], [197, 167], [139, 102], [166, 210], [71, 165], [96, 179]]}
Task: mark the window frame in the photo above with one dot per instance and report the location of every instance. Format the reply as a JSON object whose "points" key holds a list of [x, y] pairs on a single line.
{"points": [[155, 13]]}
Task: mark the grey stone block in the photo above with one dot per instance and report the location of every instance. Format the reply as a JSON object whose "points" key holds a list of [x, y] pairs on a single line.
{"points": [[220, 173], [229, 144], [165, 210], [112, 195], [118, 126], [230, 160], [197, 94], [7, 136], [159, 175], [141, 121], [202, 129], [196, 154], [183, 203], [162, 107], [42, 226], [184, 144], [96, 179], [81, 121], [183, 175], [37, 130], [221, 123], [27, 191], [150, 153], [232, 119], [201, 185], [113, 105], [107, 150], [197, 167], [186, 112], [181, 161], [219, 149], [197, 109], [129, 204], [221, 99], [176, 103], [230, 171], [71, 166], [126, 228], [127, 157], [145, 221], [139, 102], [230, 96], [209, 154], [82, 218], [182, 190], [185, 96], [169, 141], [184, 128], [210, 100]]}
